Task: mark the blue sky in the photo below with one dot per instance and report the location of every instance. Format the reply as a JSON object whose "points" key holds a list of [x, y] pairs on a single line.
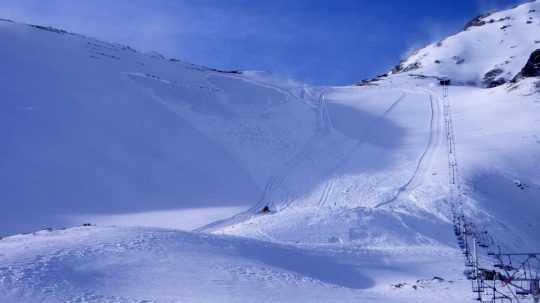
{"points": [[317, 41]]}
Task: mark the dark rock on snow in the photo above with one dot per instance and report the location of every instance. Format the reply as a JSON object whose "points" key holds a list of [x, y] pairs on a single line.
{"points": [[401, 68], [532, 68], [49, 29], [492, 79], [476, 21]]}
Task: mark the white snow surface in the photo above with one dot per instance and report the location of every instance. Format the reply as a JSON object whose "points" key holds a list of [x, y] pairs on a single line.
{"points": [[357, 178], [106, 264], [90, 127]]}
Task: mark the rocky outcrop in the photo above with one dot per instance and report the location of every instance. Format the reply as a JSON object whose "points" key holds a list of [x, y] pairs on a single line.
{"points": [[373, 81], [49, 29], [476, 21], [402, 68], [532, 68], [482, 20], [493, 79]]}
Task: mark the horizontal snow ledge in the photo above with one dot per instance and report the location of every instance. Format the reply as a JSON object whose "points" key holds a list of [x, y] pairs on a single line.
{"points": [[181, 219]]}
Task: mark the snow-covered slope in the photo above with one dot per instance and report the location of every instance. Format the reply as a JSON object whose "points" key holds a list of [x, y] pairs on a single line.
{"points": [[391, 185], [497, 141], [361, 182], [97, 264], [92, 128], [388, 139]]}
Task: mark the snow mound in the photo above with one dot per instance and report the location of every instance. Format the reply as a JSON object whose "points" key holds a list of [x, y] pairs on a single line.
{"points": [[96, 264]]}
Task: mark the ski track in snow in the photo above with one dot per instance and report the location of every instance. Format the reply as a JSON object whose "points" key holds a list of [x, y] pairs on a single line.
{"points": [[329, 185], [302, 155], [299, 159], [424, 162]]}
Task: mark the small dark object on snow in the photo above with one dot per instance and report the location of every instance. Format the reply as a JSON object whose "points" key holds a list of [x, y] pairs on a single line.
{"points": [[399, 285], [458, 60], [87, 224], [488, 275], [436, 278], [226, 71], [445, 82], [265, 210]]}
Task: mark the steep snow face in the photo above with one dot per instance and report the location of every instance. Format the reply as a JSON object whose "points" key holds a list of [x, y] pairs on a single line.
{"points": [[386, 169], [492, 49], [376, 176], [93, 128]]}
